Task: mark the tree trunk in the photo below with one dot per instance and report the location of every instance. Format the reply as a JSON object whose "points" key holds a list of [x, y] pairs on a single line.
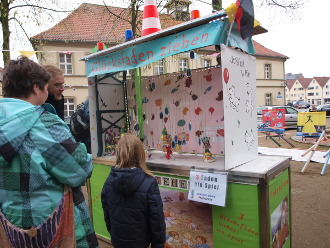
{"points": [[5, 30]]}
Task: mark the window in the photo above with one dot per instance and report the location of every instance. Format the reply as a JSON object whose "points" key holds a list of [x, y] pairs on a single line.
{"points": [[311, 88], [66, 63], [183, 65], [206, 63], [68, 107], [310, 94], [316, 87], [267, 71], [268, 99], [291, 111], [159, 67], [327, 93], [327, 86]]}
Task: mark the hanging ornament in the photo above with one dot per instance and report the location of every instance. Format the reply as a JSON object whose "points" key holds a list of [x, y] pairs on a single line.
{"points": [[166, 110], [192, 54], [173, 144]]}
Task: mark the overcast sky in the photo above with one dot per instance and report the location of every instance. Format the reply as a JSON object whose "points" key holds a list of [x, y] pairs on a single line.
{"points": [[304, 38]]}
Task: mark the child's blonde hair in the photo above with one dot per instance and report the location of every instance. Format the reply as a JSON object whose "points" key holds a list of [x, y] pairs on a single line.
{"points": [[130, 153]]}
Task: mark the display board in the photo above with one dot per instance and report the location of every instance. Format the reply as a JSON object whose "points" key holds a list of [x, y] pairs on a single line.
{"points": [[273, 118], [311, 123], [239, 87]]}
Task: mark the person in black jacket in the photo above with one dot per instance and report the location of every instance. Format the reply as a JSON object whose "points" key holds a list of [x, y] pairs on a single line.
{"points": [[131, 201], [55, 89]]}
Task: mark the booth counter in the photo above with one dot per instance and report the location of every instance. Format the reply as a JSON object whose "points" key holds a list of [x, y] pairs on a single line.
{"points": [[257, 211]]}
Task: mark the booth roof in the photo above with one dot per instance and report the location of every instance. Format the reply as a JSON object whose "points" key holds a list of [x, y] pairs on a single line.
{"points": [[165, 32], [97, 23]]}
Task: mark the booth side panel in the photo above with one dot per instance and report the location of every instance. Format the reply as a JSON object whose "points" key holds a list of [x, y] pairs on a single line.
{"points": [[279, 209], [99, 176], [239, 90], [237, 224]]}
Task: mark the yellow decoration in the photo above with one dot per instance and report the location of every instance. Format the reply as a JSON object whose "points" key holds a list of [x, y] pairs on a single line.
{"points": [[28, 54], [231, 12], [256, 23]]}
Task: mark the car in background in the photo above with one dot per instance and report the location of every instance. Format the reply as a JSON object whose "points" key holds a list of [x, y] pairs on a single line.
{"points": [[301, 105], [291, 115], [324, 107]]}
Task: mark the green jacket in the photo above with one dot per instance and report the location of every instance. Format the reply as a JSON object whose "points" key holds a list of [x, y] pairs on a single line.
{"points": [[38, 155]]}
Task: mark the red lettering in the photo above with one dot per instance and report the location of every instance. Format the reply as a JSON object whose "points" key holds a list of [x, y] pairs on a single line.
{"points": [[193, 41], [184, 42], [163, 50], [175, 46], [141, 55]]}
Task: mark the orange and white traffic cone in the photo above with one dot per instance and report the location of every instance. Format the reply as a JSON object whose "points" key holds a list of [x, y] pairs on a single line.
{"points": [[151, 22]]}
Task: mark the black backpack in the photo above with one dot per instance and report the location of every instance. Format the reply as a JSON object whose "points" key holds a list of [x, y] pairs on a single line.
{"points": [[79, 125]]}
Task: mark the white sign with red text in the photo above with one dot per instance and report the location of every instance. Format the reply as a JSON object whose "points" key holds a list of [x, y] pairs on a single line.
{"points": [[206, 187]]}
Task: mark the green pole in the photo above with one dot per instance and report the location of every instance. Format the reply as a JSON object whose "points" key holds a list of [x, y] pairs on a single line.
{"points": [[139, 99]]}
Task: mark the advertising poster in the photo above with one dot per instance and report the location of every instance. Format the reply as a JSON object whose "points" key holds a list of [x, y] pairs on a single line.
{"points": [[239, 97], [208, 188], [273, 117], [279, 209], [188, 223], [311, 123], [237, 225]]}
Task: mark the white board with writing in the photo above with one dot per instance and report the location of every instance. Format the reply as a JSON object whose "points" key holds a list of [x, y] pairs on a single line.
{"points": [[208, 187], [240, 122]]}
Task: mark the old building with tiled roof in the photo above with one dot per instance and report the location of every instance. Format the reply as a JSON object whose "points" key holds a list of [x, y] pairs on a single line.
{"points": [[77, 34]]}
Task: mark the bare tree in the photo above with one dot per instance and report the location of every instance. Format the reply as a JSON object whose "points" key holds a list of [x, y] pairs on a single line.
{"points": [[14, 15]]}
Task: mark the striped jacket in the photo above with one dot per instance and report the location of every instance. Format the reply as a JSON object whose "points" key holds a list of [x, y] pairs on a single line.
{"points": [[38, 155]]}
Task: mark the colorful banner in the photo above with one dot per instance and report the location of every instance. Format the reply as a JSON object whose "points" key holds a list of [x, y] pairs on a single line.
{"points": [[273, 117], [279, 209], [311, 123], [212, 33], [210, 188], [237, 225]]}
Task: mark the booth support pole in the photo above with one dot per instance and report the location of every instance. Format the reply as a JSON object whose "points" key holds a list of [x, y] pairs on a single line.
{"points": [[125, 99], [98, 121], [139, 99]]}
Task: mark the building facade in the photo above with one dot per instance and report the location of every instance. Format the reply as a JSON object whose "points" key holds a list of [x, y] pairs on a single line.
{"points": [[315, 91]]}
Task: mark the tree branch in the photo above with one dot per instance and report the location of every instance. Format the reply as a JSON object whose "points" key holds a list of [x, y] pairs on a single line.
{"points": [[40, 7]]}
